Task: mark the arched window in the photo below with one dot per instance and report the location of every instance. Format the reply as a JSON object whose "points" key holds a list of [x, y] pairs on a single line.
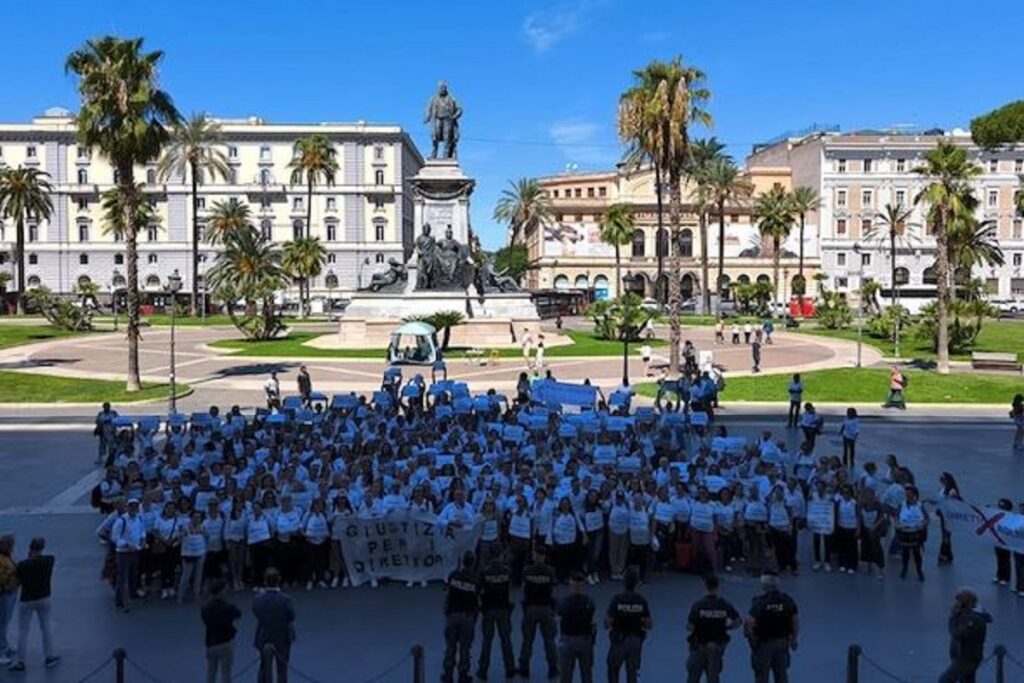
{"points": [[724, 287], [686, 286], [902, 276], [561, 282], [297, 229], [151, 176], [33, 281], [84, 281], [153, 281], [378, 177], [83, 176], [962, 275], [265, 177], [582, 282], [635, 283], [83, 259], [331, 281], [662, 243], [379, 229], [601, 286], [119, 281], [266, 229], [686, 243], [743, 279], [763, 278], [929, 276], [639, 243]]}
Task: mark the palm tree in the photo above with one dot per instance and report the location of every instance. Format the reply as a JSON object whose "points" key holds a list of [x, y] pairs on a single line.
{"points": [[774, 213], [727, 185], [703, 153], [949, 171], [656, 113], [5, 277], [248, 269], [617, 228], [313, 161], [194, 149], [24, 192], [973, 243], [126, 116], [524, 206], [1018, 198], [227, 218], [892, 228], [805, 200], [304, 259]]}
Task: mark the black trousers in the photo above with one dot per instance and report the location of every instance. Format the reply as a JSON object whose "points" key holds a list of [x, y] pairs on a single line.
{"points": [[1003, 565], [794, 414]]}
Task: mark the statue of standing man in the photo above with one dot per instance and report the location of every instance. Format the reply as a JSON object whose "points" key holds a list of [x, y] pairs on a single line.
{"points": [[443, 114]]}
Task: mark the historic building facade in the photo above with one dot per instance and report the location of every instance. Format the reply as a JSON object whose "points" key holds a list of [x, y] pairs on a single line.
{"points": [[363, 218], [571, 255], [858, 174]]}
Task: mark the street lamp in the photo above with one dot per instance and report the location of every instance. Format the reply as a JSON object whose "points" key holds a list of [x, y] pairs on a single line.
{"points": [[173, 287], [860, 302], [113, 296]]}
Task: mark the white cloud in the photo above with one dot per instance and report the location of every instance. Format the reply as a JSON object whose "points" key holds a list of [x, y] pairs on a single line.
{"points": [[547, 28], [584, 142]]}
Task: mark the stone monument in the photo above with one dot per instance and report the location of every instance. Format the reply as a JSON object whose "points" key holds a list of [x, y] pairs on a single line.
{"points": [[447, 270]]}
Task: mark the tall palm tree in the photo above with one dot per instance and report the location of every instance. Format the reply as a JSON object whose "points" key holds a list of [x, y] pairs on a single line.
{"points": [[24, 192], [1018, 198], [248, 269], [637, 157], [126, 115], [657, 112], [948, 171], [703, 152], [617, 226], [727, 185], [773, 211], [304, 259], [805, 200], [194, 150], [314, 160], [524, 206], [892, 228], [227, 218]]}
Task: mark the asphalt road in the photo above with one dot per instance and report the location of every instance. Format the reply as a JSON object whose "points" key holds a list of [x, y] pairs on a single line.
{"points": [[45, 475]]}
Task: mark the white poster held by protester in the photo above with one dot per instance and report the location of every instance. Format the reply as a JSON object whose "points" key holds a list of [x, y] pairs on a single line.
{"points": [[821, 516], [405, 546], [1001, 528]]}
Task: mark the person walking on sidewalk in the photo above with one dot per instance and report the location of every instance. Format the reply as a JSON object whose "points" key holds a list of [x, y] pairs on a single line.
{"points": [[34, 575]]}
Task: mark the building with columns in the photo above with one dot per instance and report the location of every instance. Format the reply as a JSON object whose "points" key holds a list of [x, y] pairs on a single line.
{"points": [[858, 174], [571, 255], [363, 218]]}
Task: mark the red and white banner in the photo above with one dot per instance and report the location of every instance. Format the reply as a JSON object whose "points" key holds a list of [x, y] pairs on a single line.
{"points": [[1001, 528]]}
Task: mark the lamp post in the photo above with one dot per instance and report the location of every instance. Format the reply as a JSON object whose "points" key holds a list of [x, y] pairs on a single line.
{"points": [[173, 287], [113, 296], [860, 302], [330, 280]]}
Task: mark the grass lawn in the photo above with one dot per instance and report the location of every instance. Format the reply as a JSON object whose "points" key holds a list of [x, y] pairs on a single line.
{"points": [[996, 336], [26, 387], [850, 385], [163, 320], [293, 346], [16, 335]]}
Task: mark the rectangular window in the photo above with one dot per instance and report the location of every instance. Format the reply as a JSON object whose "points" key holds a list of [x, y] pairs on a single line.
{"points": [[297, 204], [841, 259], [865, 226], [151, 233], [901, 165], [841, 198], [331, 204], [82, 152], [151, 258], [332, 232], [867, 198], [865, 259], [30, 151], [1018, 165], [590, 192], [201, 202], [232, 151], [993, 165], [83, 232], [264, 152], [602, 192], [118, 259], [579, 192], [378, 152], [378, 204], [554, 193], [840, 226], [378, 177], [232, 176], [83, 259], [378, 232], [331, 258], [379, 258], [901, 197], [993, 199], [83, 204], [1018, 229], [33, 232], [867, 165], [1016, 259], [33, 260], [841, 166]]}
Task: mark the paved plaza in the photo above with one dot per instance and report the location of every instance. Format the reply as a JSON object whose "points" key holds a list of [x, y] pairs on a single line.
{"points": [[46, 473]]}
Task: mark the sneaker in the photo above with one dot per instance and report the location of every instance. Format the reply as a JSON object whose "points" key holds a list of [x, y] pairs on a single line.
{"points": [[728, 567], [51, 662], [423, 584], [828, 568], [334, 582], [409, 584], [17, 667], [816, 566], [373, 583], [309, 585], [347, 583], [321, 584]]}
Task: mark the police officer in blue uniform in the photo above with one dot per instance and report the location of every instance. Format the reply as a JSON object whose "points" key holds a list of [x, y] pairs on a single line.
{"points": [[577, 628], [539, 614], [461, 605], [772, 630], [496, 612], [628, 621], [710, 620]]}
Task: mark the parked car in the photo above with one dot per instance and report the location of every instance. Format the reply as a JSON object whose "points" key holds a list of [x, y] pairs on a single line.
{"points": [[1007, 306]]}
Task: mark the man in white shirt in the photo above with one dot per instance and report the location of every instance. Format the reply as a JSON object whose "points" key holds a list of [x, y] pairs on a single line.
{"points": [[128, 535], [527, 344], [273, 390]]}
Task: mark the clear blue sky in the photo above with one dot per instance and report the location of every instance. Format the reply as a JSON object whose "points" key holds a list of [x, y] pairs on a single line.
{"points": [[539, 81]]}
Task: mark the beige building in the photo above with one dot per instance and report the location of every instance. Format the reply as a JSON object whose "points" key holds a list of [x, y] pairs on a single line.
{"points": [[363, 218], [858, 174], [571, 255]]}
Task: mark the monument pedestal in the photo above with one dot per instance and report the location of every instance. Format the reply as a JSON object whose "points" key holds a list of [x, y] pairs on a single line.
{"points": [[441, 198]]}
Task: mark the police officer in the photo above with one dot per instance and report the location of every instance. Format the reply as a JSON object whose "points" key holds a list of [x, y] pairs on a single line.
{"points": [[772, 630], [577, 626], [538, 613], [710, 619], [628, 620], [496, 611], [462, 602]]}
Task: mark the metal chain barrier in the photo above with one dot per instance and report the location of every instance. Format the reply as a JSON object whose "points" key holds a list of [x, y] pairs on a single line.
{"points": [[98, 669], [390, 670], [141, 671], [1013, 659], [245, 669], [302, 676], [882, 670]]}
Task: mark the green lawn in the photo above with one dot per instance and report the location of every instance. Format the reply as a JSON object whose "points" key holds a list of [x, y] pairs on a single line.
{"points": [[850, 385], [26, 387], [163, 320], [996, 336], [16, 335], [294, 346]]}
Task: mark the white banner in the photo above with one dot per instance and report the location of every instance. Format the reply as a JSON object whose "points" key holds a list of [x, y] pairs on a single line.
{"points": [[404, 545], [821, 516], [1001, 528]]}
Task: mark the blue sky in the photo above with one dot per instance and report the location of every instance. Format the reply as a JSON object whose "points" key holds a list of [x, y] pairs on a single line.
{"points": [[539, 81]]}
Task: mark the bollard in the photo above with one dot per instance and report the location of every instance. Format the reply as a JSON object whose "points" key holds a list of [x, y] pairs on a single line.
{"points": [[853, 664], [418, 665], [119, 656], [1000, 653]]}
